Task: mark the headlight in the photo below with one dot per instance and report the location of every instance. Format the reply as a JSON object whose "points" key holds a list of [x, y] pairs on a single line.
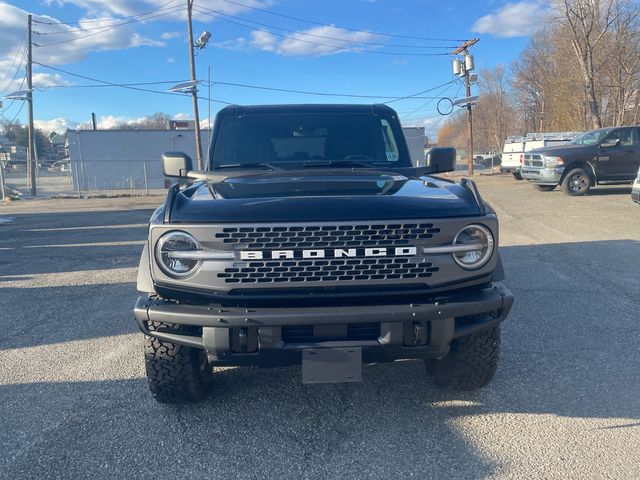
{"points": [[478, 237], [175, 265], [552, 162]]}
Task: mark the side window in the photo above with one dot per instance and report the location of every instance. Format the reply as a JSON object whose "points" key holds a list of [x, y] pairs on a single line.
{"points": [[625, 136], [390, 147]]}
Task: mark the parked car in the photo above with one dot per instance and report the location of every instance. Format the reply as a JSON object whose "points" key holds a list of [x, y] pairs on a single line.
{"points": [[635, 191], [515, 148], [601, 156], [487, 159]]}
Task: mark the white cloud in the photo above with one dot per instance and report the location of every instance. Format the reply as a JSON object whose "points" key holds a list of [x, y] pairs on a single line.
{"points": [[518, 19], [316, 41], [235, 44], [60, 43], [182, 116], [175, 10], [59, 125], [170, 35], [45, 80]]}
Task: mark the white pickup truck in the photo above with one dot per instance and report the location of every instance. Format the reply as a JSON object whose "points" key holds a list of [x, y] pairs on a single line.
{"points": [[515, 148]]}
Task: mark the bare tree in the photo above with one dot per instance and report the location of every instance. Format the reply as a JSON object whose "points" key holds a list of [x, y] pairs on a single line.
{"points": [[589, 21]]}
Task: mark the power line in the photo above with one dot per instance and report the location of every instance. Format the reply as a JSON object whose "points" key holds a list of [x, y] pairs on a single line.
{"points": [[306, 92], [21, 47], [101, 20], [300, 19], [107, 29], [121, 85], [333, 47], [427, 102], [14, 100], [432, 127], [244, 85], [325, 37], [70, 31], [416, 95]]}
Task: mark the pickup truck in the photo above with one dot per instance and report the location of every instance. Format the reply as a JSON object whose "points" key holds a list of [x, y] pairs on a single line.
{"points": [[310, 239], [597, 157]]}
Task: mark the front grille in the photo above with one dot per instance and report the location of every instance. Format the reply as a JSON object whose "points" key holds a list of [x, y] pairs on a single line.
{"points": [[325, 270], [354, 332], [338, 236], [533, 160]]}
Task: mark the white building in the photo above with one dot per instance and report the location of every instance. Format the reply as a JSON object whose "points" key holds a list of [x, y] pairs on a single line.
{"points": [[125, 159]]}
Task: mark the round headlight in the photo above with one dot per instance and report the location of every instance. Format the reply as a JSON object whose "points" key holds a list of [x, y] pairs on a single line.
{"points": [[169, 258], [478, 237]]}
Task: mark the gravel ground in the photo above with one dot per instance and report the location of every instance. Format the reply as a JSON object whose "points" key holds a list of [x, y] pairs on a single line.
{"points": [[565, 402]]}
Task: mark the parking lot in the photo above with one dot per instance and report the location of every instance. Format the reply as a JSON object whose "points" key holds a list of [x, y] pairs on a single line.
{"points": [[565, 402]]}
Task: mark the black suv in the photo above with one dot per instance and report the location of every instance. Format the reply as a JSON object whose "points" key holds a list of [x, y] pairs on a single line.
{"points": [[602, 156], [311, 239]]}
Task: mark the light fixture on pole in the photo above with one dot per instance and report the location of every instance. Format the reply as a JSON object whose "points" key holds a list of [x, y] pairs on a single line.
{"points": [[202, 41], [185, 87], [18, 95]]}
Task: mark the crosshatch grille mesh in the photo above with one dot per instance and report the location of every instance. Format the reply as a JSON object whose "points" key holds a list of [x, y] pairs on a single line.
{"points": [[328, 270], [332, 236]]}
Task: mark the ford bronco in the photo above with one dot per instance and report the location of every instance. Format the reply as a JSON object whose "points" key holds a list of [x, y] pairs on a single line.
{"points": [[312, 239]]}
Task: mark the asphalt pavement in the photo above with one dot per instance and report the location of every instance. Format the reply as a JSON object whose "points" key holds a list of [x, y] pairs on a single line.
{"points": [[565, 402]]}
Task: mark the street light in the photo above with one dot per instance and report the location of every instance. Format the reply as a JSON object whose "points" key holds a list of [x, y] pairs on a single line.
{"points": [[202, 41], [185, 87], [18, 95]]}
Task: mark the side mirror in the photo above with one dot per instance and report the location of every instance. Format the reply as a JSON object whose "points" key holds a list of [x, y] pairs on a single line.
{"points": [[441, 159], [612, 142], [176, 164]]}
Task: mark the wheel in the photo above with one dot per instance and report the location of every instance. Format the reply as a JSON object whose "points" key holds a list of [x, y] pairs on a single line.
{"points": [[517, 175], [577, 182], [471, 362], [545, 188], [175, 373]]}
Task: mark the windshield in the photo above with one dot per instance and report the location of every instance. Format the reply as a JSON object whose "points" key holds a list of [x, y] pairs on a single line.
{"points": [[293, 140], [590, 138]]}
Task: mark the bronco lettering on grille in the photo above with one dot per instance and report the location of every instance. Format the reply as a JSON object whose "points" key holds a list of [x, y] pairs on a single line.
{"points": [[334, 253]]}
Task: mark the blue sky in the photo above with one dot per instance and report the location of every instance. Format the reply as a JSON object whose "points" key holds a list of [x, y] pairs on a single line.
{"points": [[340, 53]]}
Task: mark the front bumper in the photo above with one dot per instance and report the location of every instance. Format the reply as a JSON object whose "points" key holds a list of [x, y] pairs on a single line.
{"points": [[258, 336], [635, 192], [542, 176]]}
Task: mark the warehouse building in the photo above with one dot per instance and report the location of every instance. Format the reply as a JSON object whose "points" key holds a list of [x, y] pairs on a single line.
{"points": [[125, 159]]}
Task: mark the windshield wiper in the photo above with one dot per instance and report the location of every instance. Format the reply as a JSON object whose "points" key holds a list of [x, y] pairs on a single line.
{"points": [[270, 166], [338, 163]]}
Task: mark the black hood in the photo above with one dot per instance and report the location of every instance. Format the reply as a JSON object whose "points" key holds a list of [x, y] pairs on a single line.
{"points": [[567, 150], [322, 195]]}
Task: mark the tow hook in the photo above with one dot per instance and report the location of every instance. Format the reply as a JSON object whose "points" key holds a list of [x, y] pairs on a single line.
{"points": [[418, 330], [242, 337]]}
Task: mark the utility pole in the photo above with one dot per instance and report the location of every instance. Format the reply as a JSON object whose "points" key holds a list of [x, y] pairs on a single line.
{"points": [[464, 68], [31, 167], [194, 89]]}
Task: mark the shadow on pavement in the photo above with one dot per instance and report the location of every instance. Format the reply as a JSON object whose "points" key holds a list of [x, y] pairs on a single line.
{"points": [[72, 241], [569, 349]]}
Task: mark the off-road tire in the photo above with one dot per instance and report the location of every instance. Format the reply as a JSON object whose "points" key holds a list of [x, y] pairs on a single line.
{"points": [[517, 175], [471, 362], [545, 188], [176, 373], [576, 182]]}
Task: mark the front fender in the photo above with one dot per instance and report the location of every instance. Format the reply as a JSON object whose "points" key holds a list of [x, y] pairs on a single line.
{"points": [[144, 281]]}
